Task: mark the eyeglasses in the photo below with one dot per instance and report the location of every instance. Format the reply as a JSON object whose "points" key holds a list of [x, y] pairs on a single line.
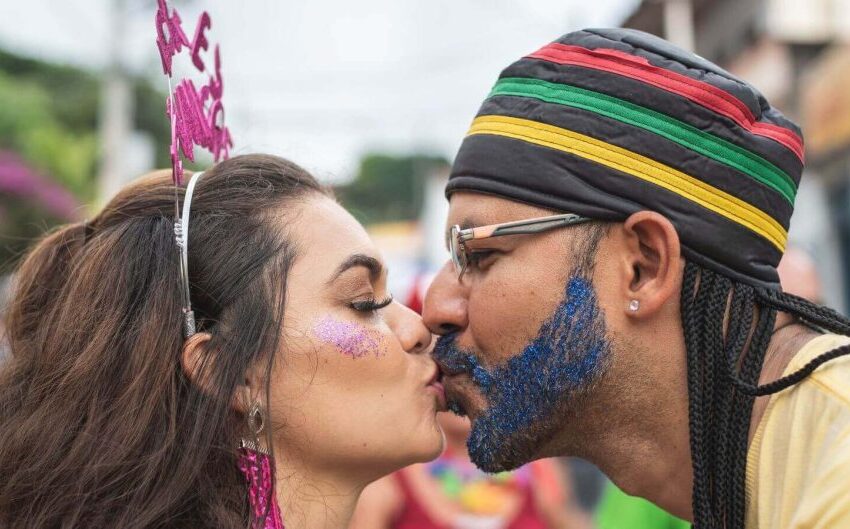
{"points": [[458, 238]]}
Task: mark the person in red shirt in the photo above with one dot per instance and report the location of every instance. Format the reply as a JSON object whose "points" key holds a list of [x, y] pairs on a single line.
{"points": [[451, 493]]}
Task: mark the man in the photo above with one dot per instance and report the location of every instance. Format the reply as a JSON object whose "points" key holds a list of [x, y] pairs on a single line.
{"points": [[617, 213]]}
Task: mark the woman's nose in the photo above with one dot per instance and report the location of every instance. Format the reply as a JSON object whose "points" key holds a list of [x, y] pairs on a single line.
{"points": [[408, 327]]}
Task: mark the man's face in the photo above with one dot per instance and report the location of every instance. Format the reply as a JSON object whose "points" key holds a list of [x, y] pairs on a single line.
{"points": [[523, 337]]}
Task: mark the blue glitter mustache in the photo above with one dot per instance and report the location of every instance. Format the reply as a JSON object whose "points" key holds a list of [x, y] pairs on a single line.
{"points": [[567, 353]]}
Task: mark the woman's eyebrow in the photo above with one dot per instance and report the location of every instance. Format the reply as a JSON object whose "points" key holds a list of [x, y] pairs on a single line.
{"points": [[368, 262]]}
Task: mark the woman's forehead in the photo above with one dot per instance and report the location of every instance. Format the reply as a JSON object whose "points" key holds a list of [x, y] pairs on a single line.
{"points": [[326, 233]]}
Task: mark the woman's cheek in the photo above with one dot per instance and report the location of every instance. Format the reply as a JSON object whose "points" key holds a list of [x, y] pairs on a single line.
{"points": [[350, 339]]}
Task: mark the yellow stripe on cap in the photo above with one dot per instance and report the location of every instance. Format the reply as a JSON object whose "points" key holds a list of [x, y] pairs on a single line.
{"points": [[636, 165]]}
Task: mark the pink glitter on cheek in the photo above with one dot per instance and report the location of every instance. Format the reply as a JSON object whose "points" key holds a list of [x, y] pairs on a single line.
{"points": [[350, 339]]}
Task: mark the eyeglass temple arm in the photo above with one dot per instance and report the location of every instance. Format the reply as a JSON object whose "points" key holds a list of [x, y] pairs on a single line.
{"points": [[537, 225]]}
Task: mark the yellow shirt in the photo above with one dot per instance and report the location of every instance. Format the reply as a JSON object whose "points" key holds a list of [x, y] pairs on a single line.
{"points": [[798, 465]]}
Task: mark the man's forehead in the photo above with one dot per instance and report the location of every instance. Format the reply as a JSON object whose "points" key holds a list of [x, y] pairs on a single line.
{"points": [[476, 209]]}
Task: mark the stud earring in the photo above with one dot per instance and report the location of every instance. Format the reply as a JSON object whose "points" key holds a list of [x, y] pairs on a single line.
{"points": [[634, 305]]}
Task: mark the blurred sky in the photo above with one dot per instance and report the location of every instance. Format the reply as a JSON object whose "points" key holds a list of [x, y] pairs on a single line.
{"points": [[323, 81]]}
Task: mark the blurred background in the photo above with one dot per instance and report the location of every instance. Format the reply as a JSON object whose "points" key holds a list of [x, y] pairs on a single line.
{"points": [[374, 98]]}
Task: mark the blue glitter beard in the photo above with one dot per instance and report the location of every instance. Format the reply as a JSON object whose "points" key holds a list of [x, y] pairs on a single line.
{"points": [[568, 352]]}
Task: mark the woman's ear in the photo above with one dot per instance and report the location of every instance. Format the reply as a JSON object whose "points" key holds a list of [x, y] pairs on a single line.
{"points": [[194, 361], [249, 389], [654, 259]]}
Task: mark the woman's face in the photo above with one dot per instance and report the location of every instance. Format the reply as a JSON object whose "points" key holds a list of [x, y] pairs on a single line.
{"points": [[353, 388]]}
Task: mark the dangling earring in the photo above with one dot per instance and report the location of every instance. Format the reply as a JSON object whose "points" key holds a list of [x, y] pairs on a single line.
{"points": [[256, 419], [256, 466], [256, 423]]}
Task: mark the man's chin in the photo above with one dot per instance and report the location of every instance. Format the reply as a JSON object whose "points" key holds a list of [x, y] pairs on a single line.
{"points": [[493, 450], [491, 447]]}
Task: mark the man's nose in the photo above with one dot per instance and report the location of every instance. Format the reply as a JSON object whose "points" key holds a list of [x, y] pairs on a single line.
{"points": [[445, 305]]}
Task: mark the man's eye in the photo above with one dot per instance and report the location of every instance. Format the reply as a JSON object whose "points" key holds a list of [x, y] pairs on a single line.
{"points": [[480, 258]]}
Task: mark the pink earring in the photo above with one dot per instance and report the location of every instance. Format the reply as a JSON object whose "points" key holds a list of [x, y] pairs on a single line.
{"points": [[257, 468]]}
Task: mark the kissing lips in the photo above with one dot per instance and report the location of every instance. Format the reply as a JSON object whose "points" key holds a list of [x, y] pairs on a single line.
{"points": [[435, 386]]}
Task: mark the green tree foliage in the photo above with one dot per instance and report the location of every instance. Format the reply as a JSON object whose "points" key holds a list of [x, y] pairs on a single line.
{"points": [[30, 127], [388, 188], [49, 115], [49, 118]]}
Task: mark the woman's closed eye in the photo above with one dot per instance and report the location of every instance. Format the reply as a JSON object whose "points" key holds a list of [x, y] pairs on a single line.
{"points": [[371, 304]]}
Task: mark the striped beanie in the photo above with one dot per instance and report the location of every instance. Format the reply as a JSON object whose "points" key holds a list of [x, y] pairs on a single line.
{"points": [[608, 122]]}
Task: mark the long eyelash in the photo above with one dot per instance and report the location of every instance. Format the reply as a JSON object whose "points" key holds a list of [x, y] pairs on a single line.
{"points": [[371, 305]]}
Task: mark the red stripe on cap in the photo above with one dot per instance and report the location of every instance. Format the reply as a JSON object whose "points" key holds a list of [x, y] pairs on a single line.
{"points": [[699, 92]]}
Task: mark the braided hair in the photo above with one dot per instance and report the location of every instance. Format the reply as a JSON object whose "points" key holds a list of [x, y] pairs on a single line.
{"points": [[723, 375]]}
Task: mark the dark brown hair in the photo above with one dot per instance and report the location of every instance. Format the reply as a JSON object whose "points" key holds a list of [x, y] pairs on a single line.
{"points": [[99, 426]]}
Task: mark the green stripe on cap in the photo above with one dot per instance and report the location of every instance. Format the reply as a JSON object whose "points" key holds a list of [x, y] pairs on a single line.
{"points": [[686, 135], [637, 165]]}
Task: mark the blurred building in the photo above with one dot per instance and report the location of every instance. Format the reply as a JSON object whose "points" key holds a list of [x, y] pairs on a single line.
{"points": [[797, 53]]}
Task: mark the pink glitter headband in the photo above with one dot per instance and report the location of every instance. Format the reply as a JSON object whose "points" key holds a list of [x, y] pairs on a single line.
{"points": [[197, 118]]}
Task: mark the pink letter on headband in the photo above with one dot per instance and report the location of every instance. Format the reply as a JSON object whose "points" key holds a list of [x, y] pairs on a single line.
{"points": [[197, 117]]}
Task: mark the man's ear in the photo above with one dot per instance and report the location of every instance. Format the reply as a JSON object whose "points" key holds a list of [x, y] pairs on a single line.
{"points": [[654, 260]]}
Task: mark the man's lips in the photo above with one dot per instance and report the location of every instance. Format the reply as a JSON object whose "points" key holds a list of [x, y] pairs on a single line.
{"points": [[457, 367], [461, 394], [452, 370], [453, 365]]}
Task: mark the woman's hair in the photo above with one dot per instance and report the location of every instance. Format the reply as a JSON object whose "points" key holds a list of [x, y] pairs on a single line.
{"points": [[99, 426], [727, 326]]}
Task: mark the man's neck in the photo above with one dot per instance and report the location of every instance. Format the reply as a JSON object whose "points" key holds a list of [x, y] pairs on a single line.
{"points": [[311, 499], [789, 336], [647, 454], [646, 450]]}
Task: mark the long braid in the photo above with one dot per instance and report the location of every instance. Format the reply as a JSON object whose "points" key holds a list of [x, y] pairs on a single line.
{"points": [[723, 374], [742, 406], [701, 506], [722, 405], [716, 289], [740, 324]]}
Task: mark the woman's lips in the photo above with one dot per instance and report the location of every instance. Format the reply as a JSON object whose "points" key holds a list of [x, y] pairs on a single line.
{"points": [[440, 393], [435, 385]]}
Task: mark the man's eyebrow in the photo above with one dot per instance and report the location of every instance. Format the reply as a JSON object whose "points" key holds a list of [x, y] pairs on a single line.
{"points": [[465, 224], [373, 265]]}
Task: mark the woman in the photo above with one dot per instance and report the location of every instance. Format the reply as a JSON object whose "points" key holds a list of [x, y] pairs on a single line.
{"points": [[450, 493], [109, 418]]}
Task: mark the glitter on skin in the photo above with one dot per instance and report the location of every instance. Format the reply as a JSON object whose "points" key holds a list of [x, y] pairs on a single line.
{"points": [[350, 339], [566, 355]]}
